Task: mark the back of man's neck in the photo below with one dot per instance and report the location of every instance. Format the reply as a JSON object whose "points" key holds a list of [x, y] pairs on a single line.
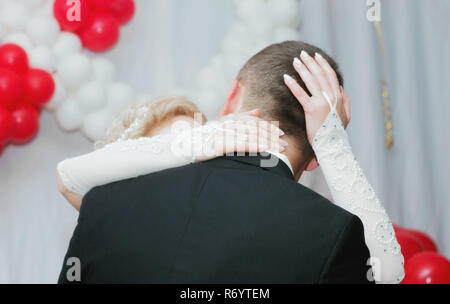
{"points": [[295, 159]]}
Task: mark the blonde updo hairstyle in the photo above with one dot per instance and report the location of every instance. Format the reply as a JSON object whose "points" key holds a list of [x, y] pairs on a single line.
{"points": [[140, 117]]}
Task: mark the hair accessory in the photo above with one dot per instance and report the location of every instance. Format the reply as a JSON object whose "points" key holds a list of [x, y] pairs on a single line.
{"points": [[141, 117]]}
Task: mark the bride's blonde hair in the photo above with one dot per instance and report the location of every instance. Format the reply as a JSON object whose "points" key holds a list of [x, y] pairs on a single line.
{"points": [[140, 117]]}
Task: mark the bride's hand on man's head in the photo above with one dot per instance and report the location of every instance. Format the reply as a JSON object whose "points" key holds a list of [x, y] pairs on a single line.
{"points": [[322, 82]]}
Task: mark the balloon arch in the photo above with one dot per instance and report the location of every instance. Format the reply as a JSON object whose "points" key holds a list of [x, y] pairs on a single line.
{"points": [[82, 91], [43, 65]]}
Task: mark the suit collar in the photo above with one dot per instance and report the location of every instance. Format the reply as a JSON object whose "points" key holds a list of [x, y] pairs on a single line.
{"points": [[269, 162]]}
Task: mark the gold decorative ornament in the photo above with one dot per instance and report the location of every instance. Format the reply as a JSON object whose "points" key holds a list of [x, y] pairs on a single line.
{"points": [[384, 90]]}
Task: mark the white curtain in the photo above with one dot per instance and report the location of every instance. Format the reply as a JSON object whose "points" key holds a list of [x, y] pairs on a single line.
{"points": [[412, 178], [169, 41]]}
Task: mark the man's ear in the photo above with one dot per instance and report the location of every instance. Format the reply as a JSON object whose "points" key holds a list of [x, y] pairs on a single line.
{"points": [[233, 98], [312, 165]]}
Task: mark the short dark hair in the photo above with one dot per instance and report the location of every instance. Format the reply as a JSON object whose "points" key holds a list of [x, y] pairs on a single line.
{"points": [[262, 77]]}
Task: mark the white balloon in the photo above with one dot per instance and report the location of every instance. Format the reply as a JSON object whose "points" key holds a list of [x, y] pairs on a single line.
{"points": [[250, 9], [96, 123], [120, 95], [285, 33], [59, 96], [67, 44], [234, 42], [14, 16], [92, 96], [43, 30], [75, 70], [284, 13], [69, 115], [104, 70], [31, 3], [20, 39], [259, 29], [42, 57]]}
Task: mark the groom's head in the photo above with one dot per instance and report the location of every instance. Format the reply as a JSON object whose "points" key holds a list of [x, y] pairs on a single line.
{"points": [[260, 85]]}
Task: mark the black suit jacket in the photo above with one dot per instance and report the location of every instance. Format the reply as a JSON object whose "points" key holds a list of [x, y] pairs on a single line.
{"points": [[223, 221]]}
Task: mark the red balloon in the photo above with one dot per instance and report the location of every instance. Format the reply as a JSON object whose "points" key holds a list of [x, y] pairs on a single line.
{"points": [[71, 15], [426, 240], [101, 33], [122, 10], [427, 268], [39, 87], [10, 88], [398, 228], [13, 57], [409, 243], [26, 124], [6, 126], [101, 5]]}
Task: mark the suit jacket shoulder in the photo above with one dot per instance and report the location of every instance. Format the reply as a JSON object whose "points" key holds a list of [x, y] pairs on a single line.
{"points": [[222, 221]]}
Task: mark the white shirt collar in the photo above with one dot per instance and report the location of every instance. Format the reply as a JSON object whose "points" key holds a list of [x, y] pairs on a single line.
{"points": [[283, 159]]}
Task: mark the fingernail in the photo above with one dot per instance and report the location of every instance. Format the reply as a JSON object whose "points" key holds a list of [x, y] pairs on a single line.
{"points": [[284, 143], [254, 111], [282, 149], [288, 78], [319, 56], [281, 132], [297, 62], [304, 54]]}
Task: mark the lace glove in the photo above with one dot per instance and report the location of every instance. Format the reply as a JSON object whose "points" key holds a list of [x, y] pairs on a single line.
{"points": [[131, 158], [120, 160], [351, 191]]}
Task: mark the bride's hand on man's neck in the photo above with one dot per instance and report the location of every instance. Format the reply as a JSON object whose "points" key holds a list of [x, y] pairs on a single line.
{"points": [[166, 126]]}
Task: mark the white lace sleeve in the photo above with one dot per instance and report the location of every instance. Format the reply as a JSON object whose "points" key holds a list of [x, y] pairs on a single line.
{"points": [[130, 158], [120, 160], [351, 191]]}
